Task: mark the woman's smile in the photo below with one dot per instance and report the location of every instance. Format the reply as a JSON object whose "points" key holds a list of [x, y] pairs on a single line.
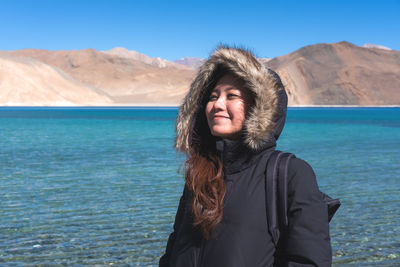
{"points": [[218, 116]]}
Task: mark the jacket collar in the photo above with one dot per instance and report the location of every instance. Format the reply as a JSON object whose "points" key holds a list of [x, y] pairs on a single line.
{"points": [[237, 156]]}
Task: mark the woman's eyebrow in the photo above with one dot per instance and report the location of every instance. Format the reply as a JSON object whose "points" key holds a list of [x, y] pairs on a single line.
{"points": [[230, 88], [233, 88], [226, 89]]}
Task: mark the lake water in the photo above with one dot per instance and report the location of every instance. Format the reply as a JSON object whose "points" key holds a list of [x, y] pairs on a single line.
{"points": [[100, 186]]}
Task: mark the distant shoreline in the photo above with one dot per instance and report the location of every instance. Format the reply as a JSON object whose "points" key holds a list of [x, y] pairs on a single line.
{"points": [[345, 106], [176, 107]]}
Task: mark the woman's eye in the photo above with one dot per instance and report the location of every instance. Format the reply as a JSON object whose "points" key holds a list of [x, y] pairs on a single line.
{"points": [[233, 96], [213, 97]]}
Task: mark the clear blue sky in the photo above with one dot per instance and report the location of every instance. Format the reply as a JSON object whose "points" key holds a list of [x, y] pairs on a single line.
{"points": [[173, 29]]}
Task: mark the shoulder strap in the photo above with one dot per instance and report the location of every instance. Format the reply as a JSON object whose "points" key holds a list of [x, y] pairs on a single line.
{"points": [[282, 187], [276, 192]]}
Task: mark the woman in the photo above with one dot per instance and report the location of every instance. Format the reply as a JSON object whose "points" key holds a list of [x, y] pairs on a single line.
{"points": [[228, 125]]}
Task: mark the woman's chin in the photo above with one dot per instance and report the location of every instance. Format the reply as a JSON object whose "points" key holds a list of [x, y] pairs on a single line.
{"points": [[225, 134]]}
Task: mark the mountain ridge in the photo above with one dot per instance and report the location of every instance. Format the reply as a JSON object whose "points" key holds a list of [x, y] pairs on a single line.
{"points": [[321, 74], [340, 74]]}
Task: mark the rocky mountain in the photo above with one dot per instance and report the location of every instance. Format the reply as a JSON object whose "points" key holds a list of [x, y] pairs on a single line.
{"points": [[29, 82], [122, 79], [191, 62], [321, 74], [340, 74], [157, 62]]}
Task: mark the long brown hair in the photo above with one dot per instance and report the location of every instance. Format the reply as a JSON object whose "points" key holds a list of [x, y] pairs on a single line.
{"points": [[204, 170], [205, 178]]}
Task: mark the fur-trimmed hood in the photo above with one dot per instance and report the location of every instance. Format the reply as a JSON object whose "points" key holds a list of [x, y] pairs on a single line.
{"points": [[266, 117]]}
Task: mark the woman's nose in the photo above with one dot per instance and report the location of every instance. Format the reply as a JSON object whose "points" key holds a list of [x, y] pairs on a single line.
{"points": [[220, 103]]}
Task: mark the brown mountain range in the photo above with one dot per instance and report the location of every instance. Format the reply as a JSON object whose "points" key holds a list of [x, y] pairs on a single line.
{"points": [[322, 74], [123, 80], [340, 74]]}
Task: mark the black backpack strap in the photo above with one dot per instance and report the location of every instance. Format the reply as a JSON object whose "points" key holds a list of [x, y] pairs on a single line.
{"points": [[276, 192], [282, 188], [271, 195]]}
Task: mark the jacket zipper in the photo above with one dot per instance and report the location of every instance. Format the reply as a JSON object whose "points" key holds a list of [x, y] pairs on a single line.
{"points": [[201, 254]]}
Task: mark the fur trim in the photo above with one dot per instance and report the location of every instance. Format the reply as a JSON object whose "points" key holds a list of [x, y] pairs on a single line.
{"points": [[270, 103]]}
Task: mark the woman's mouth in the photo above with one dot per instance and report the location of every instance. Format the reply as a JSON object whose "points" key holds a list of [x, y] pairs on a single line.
{"points": [[219, 117]]}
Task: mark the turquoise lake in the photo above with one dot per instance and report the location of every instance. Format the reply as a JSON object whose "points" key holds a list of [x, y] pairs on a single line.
{"points": [[100, 186]]}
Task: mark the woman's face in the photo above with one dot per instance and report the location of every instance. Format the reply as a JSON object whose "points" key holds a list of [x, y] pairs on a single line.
{"points": [[226, 108]]}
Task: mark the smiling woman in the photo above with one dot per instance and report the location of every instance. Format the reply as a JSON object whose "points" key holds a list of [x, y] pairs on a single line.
{"points": [[228, 125], [226, 107]]}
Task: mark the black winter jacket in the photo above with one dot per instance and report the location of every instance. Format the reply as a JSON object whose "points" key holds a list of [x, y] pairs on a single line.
{"points": [[242, 238]]}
